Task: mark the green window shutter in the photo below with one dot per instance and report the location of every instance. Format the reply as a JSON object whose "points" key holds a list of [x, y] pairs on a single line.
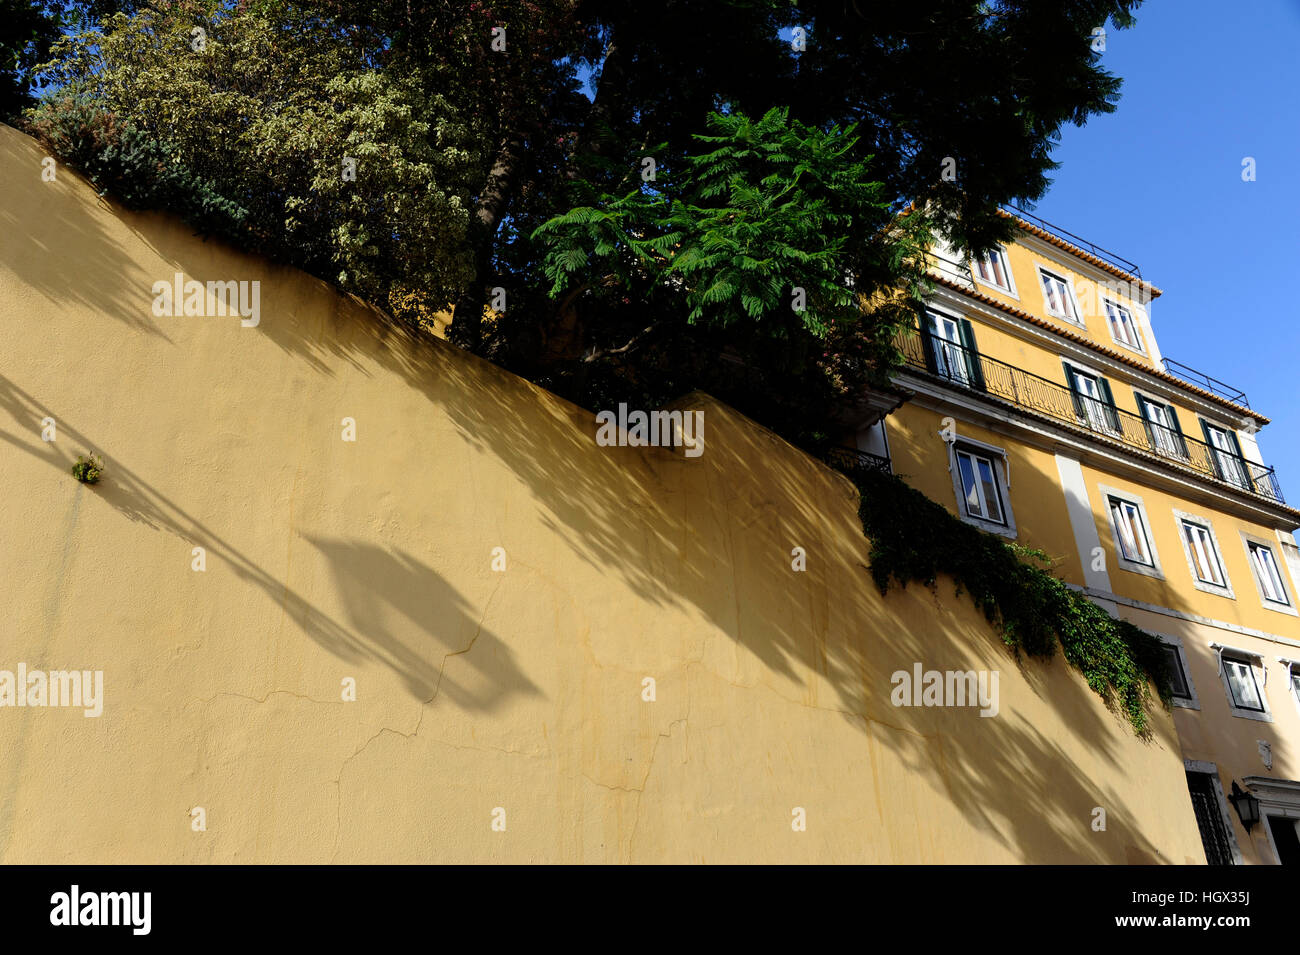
{"points": [[1074, 390], [1209, 451], [1112, 412], [972, 355], [1178, 428], [1236, 445], [927, 341], [1145, 415]]}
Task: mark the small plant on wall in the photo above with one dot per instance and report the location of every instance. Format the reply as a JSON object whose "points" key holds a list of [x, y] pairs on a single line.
{"points": [[88, 469]]}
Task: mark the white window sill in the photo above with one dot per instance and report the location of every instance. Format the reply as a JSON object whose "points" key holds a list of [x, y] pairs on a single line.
{"points": [[1010, 293], [993, 528]]}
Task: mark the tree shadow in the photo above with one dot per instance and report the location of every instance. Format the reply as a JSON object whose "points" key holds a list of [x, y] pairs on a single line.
{"points": [[378, 585], [36, 219], [710, 537], [374, 583]]}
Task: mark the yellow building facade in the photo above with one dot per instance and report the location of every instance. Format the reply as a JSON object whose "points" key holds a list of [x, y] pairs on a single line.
{"points": [[1038, 406]]}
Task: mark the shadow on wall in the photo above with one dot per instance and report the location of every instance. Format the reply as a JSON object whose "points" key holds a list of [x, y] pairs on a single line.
{"points": [[682, 533], [369, 578], [106, 280]]}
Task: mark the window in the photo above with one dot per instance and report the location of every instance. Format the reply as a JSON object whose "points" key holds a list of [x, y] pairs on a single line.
{"points": [[1292, 670], [1243, 690], [1135, 549], [952, 349], [1226, 453], [1122, 327], [1093, 402], [1244, 675], [1162, 427], [1131, 535], [992, 269], [979, 484], [1208, 804], [1182, 686], [1267, 573], [1204, 554], [1059, 297]]}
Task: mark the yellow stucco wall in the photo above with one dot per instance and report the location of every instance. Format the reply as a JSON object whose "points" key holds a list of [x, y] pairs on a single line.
{"points": [[1090, 289], [476, 689], [1210, 732], [1176, 587], [919, 455]]}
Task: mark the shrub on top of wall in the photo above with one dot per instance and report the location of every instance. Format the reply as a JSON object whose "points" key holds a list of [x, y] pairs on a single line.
{"points": [[131, 166]]}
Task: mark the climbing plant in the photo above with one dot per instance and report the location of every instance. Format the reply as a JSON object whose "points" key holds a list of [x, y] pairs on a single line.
{"points": [[915, 539]]}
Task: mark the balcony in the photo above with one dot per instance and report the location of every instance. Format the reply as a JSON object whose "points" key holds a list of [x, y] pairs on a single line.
{"points": [[853, 462], [964, 368]]}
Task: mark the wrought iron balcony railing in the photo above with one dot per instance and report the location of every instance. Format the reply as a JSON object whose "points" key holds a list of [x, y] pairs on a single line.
{"points": [[965, 368], [852, 461]]}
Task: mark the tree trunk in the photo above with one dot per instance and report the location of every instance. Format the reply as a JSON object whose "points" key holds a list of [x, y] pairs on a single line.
{"points": [[493, 200]]}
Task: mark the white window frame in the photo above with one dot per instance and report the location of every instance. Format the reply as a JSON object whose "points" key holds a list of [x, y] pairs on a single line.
{"points": [[1153, 569], [1001, 473], [1292, 670], [958, 363], [978, 465], [1138, 346], [1044, 272], [1008, 289], [1289, 608], [1258, 669], [1191, 701], [1226, 589]]}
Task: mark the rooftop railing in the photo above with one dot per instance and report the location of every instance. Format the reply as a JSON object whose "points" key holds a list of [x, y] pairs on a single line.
{"points": [[1212, 385], [1105, 255], [965, 368]]}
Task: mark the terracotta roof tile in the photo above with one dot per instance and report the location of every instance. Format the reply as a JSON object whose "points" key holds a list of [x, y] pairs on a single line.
{"points": [[1075, 250]]}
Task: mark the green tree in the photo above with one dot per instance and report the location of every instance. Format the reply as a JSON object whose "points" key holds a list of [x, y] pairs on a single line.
{"points": [[274, 128], [750, 256], [484, 166], [26, 32], [28, 28]]}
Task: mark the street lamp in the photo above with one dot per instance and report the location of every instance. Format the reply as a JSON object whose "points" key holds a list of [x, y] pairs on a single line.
{"points": [[1247, 806]]}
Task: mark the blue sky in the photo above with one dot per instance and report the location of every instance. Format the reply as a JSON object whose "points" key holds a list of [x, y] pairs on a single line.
{"points": [[1159, 182]]}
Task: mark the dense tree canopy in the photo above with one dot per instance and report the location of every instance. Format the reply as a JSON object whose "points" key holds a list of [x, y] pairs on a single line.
{"points": [[719, 208]]}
